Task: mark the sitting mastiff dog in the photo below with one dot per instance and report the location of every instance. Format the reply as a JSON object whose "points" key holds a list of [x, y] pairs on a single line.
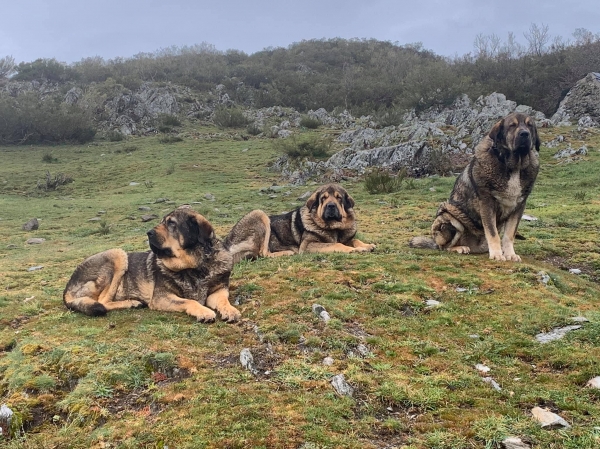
{"points": [[186, 270], [326, 223], [489, 195]]}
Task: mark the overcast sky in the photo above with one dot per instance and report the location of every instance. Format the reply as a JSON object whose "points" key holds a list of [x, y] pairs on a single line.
{"points": [[70, 30]]}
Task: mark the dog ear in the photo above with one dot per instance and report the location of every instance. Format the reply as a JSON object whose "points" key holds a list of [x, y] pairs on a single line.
{"points": [[538, 143], [497, 132], [348, 201], [201, 232], [313, 200]]}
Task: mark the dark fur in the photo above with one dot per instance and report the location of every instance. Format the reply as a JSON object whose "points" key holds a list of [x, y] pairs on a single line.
{"points": [[490, 194], [187, 270], [326, 223]]}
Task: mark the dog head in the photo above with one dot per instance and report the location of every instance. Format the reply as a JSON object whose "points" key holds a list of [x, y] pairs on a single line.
{"points": [[515, 134], [331, 206], [182, 239]]}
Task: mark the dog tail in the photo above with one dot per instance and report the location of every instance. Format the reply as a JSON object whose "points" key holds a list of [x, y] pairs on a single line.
{"points": [[423, 242], [85, 305], [249, 237]]}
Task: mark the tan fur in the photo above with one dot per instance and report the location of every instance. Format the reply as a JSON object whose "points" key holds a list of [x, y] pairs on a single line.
{"points": [[489, 196]]}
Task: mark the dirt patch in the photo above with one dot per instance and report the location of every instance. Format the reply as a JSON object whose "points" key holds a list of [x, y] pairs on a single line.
{"points": [[564, 264]]}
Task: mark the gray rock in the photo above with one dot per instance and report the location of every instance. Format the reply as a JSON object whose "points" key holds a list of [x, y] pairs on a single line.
{"points": [[35, 241], [144, 208], [328, 361], [320, 311], [579, 319], [431, 303], [555, 334], [247, 360], [161, 200], [594, 382], [209, 196], [149, 217], [31, 225], [582, 103], [36, 268], [363, 350], [543, 277], [133, 183], [548, 420], [95, 219], [493, 383], [340, 385], [571, 153], [574, 271], [527, 217], [514, 443], [6, 417]]}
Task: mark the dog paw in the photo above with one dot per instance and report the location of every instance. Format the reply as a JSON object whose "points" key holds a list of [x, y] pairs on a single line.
{"points": [[460, 249], [137, 304], [206, 316], [497, 256], [370, 246], [513, 257], [230, 314]]}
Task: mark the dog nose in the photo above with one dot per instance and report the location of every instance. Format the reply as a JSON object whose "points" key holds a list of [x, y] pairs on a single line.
{"points": [[151, 233], [524, 133], [330, 206]]}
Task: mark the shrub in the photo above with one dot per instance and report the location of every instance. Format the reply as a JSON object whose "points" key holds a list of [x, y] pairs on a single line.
{"points": [[380, 181], [49, 159], [169, 139], [51, 183], [169, 120], [225, 117], [438, 163], [312, 147], [114, 136], [253, 130], [310, 122]]}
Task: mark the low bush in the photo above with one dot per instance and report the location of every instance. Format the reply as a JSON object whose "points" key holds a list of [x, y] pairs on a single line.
{"points": [[310, 122], [52, 183], [114, 136], [311, 147], [381, 181], [233, 117]]}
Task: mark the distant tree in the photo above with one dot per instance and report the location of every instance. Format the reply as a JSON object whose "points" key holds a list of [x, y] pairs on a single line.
{"points": [[537, 37], [7, 66]]}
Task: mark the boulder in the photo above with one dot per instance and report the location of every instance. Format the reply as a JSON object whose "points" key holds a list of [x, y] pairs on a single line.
{"points": [[581, 104]]}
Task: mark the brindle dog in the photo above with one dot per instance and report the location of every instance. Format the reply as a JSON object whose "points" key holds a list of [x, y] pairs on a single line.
{"points": [[490, 194]]}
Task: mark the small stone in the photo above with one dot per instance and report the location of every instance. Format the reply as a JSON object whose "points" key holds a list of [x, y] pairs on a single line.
{"points": [[11, 246], [101, 212], [149, 217], [363, 350], [529, 217], [341, 386], [543, 277], [574, 271], [31, 225], [514, 443], [482, 368], [320, 311], [133, 183], [144, 208], [245, 149], [547, 419], [593, 383], [580, 319], [328, 361], [432, 189], [95, 219], [161, 200], [36, 268], [555, 334], [35, 241], [209, 197], [461, 289], [247, 360], [431, 303], [474, 336], [493, 383]]}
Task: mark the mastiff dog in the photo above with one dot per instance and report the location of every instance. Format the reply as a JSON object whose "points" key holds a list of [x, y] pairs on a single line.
{"points": [[326, 223], [186, 270], [489, 196]]}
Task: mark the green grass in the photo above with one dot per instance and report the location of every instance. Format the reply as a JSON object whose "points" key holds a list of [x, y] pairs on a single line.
{"points": [[146, 379]]}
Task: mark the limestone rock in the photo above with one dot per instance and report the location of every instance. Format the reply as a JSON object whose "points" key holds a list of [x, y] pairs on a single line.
{"points": [[555, 334], [31, 225], [514, 443], [340, 385], [548, 420]]}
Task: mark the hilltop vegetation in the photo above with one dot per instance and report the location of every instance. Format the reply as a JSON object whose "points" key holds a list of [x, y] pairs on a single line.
{"points": [[362, 76]]}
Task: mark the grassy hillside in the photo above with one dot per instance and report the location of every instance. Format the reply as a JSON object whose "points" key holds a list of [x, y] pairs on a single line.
{"points": [[146, 379]]}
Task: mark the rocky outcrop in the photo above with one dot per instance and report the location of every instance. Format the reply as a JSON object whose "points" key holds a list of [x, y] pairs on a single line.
{"points": [[450, 133], [581, 105]]}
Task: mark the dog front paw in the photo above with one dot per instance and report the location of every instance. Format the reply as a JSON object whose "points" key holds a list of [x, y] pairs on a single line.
{"points": [[497, 255], [230, 314], [512, 257], [206, 316]]}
